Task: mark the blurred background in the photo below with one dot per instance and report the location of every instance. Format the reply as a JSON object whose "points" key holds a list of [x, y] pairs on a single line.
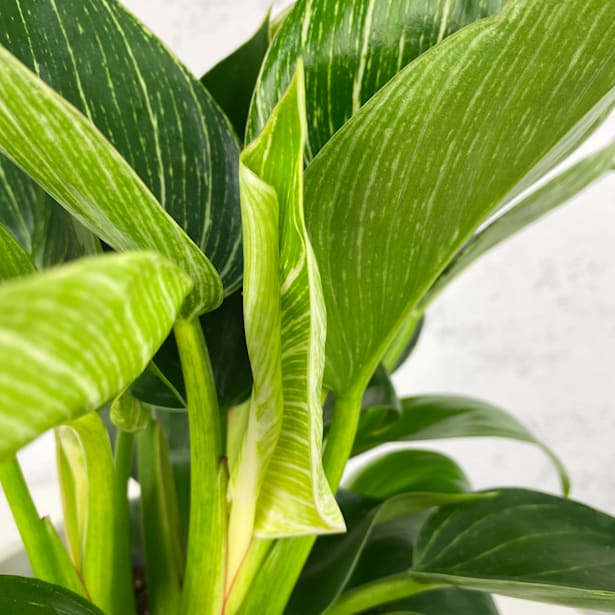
{"points": [[530, 327]]}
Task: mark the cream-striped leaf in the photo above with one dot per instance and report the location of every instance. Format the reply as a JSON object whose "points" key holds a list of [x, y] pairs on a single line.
{"points": [[282, 287], [406, 182], [158, 116], [558, 191], [14, 261], [67, 155], [351, 48], [74, 337]]}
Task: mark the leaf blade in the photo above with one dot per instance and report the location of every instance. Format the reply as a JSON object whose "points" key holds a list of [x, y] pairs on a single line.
{"points": [[115, 311]]}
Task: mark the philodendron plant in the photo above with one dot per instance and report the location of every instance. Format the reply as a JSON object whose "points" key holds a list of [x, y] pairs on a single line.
{"points": [[227, 309]]}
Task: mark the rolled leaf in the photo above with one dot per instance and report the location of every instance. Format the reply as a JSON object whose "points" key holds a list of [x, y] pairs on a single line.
{"points": [[285, 331], [350, 50], [158, 116], [74, 337], [429, 417], [34, 597], [65, 153], [388, 205], [523, 544]]}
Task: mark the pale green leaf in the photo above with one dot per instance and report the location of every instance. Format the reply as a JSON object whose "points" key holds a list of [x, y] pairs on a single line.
{"points": [[14, 261], [351, 48], [74, 337], [136, 92], [285, 331], [66, 154], [522, 544], [406, 182]]}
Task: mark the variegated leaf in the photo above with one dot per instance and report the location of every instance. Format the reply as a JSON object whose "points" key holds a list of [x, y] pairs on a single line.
{"points": [[405, 183], [285, 330], [74, 337], [350, 49], [65, 153], [14, 261], [159, 117]]}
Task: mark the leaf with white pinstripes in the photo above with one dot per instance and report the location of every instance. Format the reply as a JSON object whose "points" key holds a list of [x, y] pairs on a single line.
{"points": [[74, 337], [285, 322], [350, 49], [68, 156], [159, 117], [14, 261], [404, 184]]}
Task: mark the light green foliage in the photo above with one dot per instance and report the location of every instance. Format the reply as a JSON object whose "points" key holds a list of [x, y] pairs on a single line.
{"points": [[109, 315], [285, 332], [65, 153], [14, 261], [457, 130]]}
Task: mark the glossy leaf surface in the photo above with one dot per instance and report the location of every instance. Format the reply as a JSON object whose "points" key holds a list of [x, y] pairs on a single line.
{"points": [[34, 597], [285, 332], [522, 544], [430, 417], [350, 50], [159, 117], [74, 337], [65, 153], [426, 199]]}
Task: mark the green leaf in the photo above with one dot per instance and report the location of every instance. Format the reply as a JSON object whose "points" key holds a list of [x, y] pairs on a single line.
{"points": [[379, 541], [280, 459], [161, 120], [14, 262], [429, 417], [74, 337], [48, 233], [555, 193], [522, 544], [403, 203], [350, 50], [87, 485], [396, 472], [441, 601], [65, 153], [231, 81], [34, 597]]}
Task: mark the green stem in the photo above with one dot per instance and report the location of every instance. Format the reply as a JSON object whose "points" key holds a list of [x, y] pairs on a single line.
{"points": [[206, 557], [278, 573], [48, 558], [379, 592], [123, 583], [160, 522]]}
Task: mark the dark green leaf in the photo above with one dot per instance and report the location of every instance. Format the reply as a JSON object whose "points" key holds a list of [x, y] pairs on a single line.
{"points": [[14, 261], [231, 81], [522, 544], [350, 50], [396, 472], [385, 195], [162, 121], [429, 417], [453, 601], [21, 596]]}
